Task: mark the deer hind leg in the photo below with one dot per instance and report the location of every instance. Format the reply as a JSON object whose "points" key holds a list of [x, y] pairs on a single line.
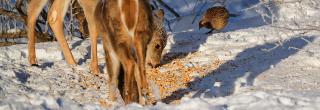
{"points": [[123, 47], [88, 7], [130, 89], [34, 9], [55, 19]]}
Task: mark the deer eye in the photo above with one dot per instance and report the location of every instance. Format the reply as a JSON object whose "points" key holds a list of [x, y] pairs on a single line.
{"points": [[157, 46]]}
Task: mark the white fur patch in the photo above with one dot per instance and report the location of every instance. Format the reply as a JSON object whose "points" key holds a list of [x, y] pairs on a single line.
{"points": [[53, 17], [55, 13]]}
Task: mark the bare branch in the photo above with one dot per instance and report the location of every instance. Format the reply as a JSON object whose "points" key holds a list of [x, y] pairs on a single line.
{"points": [[169, 8], [41, 37], [11, 15], [311, 28], [22, 34]]}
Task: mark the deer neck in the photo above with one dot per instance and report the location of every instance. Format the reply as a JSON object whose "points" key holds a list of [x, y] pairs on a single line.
{"points": [[129, 12]]}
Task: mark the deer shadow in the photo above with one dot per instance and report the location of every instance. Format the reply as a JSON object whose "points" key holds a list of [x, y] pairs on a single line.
{"points": [[248, 64]]}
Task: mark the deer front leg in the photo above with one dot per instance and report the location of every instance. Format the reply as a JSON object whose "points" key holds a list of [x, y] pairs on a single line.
{"points": [[55, 19], [140, 42], [112, 65], [94, 40], [34, 9], [88, 7]]}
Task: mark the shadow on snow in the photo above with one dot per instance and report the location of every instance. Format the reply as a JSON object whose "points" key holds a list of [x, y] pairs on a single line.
{"points": [[248, 64], [187, 37]]}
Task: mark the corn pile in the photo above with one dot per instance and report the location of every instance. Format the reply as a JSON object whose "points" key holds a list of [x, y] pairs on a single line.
{"points": [[176, 75]]}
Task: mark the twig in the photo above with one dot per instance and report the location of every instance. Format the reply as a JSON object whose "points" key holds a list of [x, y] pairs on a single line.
{"points": [[194, 7], [18, 6], [169, 24], [199, 12], [305, 40], [295, 48], [11, 15], [269, 50], [315, 28], [169, 8]]}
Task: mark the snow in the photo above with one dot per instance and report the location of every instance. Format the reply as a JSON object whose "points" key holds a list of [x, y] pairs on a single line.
{"points": [[263, 66]]}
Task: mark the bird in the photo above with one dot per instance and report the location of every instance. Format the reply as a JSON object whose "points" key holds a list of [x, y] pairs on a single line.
{"points": [[215, 18]]}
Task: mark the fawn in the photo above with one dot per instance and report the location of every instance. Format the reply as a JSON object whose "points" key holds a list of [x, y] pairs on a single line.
{"points": [[126, 29], [158, 41]]}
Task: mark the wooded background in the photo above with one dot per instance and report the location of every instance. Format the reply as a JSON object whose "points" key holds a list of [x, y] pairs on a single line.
{"points": [[13, 21]]}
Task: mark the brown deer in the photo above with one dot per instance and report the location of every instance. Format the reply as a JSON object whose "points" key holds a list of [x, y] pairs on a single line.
{"points": [[126, 28], [158, 41], [56, 15]]}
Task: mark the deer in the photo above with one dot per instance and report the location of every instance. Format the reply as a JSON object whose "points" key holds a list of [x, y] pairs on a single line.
{"points": [[158, 40], [126, 30], [55, 17]]}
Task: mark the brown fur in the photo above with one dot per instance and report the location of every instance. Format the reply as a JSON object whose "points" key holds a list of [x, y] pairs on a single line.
{"points": [[124, 50], [158, 41], [55, 17], [215, 18], [129, 13], [88, 7]]}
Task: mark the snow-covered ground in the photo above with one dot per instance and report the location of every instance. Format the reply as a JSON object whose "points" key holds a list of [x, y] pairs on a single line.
{"points": [[260, 65]]}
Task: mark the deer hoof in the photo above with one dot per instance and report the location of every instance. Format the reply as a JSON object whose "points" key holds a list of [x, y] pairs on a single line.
{"points": [[36, 65]]}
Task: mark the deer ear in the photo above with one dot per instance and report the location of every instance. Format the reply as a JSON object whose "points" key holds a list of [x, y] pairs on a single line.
{"points": [[159, 13]]}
